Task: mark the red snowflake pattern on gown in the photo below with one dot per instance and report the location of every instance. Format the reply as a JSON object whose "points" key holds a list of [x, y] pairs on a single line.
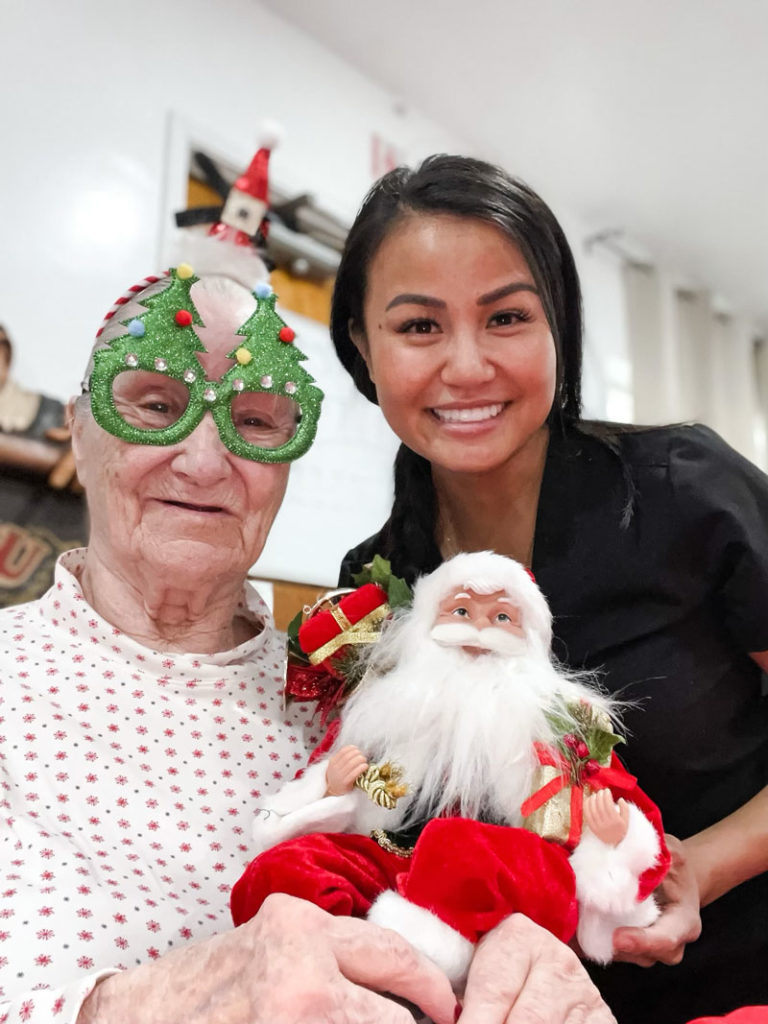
{"points": [[128, 782]]}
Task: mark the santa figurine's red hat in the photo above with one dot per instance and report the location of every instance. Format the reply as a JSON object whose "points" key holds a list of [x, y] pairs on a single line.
{"points": [[244, 214]]}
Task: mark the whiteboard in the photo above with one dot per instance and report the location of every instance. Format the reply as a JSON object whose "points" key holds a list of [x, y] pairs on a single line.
{"points": [[340, 492]]}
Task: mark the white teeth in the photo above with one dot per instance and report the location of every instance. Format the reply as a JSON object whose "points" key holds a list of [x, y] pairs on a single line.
{"points": [[482, 412]]}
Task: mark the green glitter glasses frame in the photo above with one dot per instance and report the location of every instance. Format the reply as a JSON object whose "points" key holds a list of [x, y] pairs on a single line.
{"points": [[149, 387]]}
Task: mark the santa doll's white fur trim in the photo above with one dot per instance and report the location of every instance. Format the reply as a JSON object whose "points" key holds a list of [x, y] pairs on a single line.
{"points": [[310, 786], [607, 876], [607, 884], [301, 807], [426, 932]]}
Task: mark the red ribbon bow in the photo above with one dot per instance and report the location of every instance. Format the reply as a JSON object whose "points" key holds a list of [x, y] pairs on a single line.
{"points": [[597, 777]]}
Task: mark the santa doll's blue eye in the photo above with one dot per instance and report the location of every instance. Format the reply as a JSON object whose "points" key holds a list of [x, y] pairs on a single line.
{"points": [[460, 611]]}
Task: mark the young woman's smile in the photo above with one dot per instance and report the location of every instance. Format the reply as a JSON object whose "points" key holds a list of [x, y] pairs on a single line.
{"points": [[457, 342]]}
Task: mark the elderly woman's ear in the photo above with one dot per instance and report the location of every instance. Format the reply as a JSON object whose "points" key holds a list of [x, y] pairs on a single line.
{"points": [[74, 416]]}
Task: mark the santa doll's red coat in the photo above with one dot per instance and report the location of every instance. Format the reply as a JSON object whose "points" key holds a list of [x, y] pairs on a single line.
{"points": [[470, 874]]}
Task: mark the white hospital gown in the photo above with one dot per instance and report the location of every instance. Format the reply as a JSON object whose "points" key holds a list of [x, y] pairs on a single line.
{"points": [[129, 781]]}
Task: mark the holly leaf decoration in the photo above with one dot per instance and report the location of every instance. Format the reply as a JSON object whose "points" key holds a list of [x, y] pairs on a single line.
{"points": [[292, 632], [601, 744], [583, 733], [379, 571], [399, 593]]}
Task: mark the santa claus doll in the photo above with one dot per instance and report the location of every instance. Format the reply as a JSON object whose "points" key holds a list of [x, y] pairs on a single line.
{"points": [[470, 778]]}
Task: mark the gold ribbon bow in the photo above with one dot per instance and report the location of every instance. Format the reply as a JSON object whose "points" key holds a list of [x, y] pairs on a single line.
{"points": [[360, 632]]}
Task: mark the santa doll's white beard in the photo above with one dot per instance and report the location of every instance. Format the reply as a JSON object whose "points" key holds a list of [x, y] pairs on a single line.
{"points": [[460, 725]]}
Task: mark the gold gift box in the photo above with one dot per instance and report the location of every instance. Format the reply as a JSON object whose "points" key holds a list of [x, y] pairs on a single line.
{"points": [[553, 819]]}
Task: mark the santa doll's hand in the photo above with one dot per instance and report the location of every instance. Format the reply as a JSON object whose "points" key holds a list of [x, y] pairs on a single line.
{"points": [[522, 974], [607, 818], [344, 768], [679, 923]]}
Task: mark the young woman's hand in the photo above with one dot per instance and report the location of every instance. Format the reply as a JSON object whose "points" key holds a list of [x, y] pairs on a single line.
{"points": [[680, 922]]}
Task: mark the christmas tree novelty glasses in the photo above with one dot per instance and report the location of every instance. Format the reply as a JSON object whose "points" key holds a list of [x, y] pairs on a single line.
{"points": [[149, 387]]}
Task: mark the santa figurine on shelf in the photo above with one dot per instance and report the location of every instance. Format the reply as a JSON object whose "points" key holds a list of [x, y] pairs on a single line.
{"points": [[243, 218], [470, 777], [241, 221]]}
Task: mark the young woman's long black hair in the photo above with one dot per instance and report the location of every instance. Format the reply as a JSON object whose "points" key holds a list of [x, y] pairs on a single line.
{"points": [[462, 187]]}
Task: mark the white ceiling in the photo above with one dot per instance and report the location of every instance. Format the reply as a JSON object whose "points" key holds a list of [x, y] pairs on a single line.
{"points": [[645, 115]]}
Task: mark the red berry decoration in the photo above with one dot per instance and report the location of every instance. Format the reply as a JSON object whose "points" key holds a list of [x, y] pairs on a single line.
{"points": [[183, 318], [582, 750], [287, 334]]}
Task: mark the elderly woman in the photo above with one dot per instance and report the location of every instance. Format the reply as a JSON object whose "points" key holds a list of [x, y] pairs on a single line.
{"points": [[142, 719]]}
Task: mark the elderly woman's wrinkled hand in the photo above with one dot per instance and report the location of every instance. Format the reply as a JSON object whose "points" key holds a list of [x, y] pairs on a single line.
{"points": [[291, 964], [522, 974]]}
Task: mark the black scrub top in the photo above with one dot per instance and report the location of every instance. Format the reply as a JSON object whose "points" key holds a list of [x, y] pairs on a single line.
{"points": [[666, 604]]}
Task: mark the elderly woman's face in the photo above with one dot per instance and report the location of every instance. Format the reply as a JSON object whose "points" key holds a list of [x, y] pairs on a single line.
{"points": [[185, 510]]}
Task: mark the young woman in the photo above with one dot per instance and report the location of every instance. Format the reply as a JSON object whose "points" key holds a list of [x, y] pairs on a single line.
{"points": [[457, 309]]}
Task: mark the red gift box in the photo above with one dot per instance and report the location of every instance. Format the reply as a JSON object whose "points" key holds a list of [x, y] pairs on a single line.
{"points": [[345, 622]]}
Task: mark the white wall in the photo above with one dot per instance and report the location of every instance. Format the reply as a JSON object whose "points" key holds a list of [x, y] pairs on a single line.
{"points": [[91, 92], [96, 98], [607, 384], [88, 88], [691, 360], [93, 98], [340, 492], [100, 103]]}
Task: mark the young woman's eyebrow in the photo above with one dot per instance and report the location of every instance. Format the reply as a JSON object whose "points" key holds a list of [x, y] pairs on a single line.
{"points": [[417, 300], [507, 289]]}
